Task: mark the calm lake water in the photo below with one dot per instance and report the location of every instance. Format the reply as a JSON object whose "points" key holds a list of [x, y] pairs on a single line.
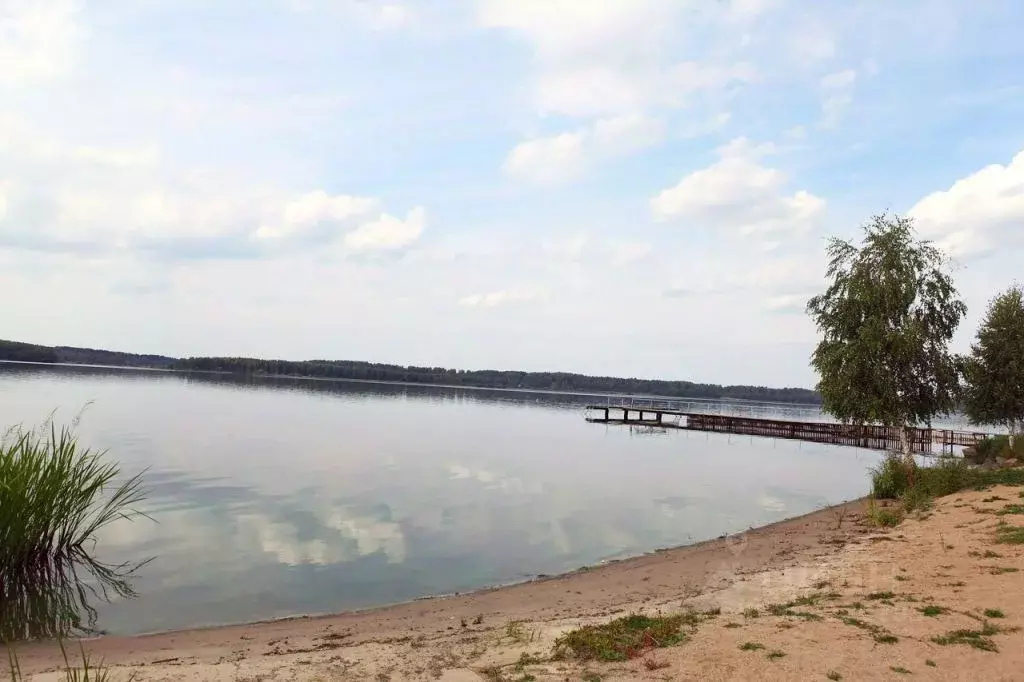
{"points": [[280, 497]]}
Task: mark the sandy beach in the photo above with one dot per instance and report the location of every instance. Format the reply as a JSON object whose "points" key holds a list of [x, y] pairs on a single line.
{"points": [[861, 613]]}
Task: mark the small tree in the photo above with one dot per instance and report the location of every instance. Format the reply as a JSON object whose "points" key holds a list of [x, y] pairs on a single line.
{"points": [[886, 319], [995, 368]]}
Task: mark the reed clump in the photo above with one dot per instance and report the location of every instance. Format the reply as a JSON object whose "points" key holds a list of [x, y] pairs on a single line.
{"points": [[55, 496]]}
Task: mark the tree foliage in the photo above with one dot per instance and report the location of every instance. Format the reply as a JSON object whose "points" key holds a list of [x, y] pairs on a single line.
{"points": [[26, 352], [994, 371], [373, 371], [542, 381], [886, 319]]}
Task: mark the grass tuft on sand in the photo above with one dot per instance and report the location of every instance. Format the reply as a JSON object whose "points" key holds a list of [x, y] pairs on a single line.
{"points": [[978, 639], [1007, 534], [622, 639]]}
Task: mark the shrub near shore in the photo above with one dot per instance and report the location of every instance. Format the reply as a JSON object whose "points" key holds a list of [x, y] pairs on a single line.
{"points": [[916, 486], [992, 447]]}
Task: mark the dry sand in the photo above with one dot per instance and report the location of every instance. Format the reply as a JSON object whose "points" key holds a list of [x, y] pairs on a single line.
{"points": [[850, 631]]}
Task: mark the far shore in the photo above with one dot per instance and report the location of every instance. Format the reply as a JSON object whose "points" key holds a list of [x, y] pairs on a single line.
{"points": [[541, 391]]}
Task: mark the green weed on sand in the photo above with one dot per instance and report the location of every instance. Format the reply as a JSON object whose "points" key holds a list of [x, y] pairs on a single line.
{"points": [[622, 639]]}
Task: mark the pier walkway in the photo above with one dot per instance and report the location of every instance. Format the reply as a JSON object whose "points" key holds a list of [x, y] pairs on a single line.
{"points": [[873, 437]]}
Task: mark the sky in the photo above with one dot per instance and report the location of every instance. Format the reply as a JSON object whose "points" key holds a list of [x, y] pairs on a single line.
{"points": [[616, 187]]}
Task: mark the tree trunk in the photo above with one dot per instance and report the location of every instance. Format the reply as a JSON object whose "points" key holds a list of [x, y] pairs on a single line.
{"points": [[908, 456], [1013, 434]]}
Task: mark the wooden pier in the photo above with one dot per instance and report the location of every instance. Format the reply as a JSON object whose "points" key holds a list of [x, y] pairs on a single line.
{"points": [[872, 437]]}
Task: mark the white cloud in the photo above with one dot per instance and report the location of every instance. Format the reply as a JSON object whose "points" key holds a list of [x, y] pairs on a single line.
{"points": [[498, 298], [568, 28], [743, 147], [38, 40], [837, 96], [316, 206], [124, 158], [594, 90], [713, 124], [21, 145], [977, 212], [388, 232], [780, 282], [588, 91], [121, 214], [747, 9], [570, 248], [839, 80], [788, 303], [548, 160], [738, 192], [375, 14], [624, 253], [811, 40], [793, 273], [313, 209], [964, 243], [559, 158], [73, 197], [581, 247], [626, 134], [395, 16], [607, 57]]}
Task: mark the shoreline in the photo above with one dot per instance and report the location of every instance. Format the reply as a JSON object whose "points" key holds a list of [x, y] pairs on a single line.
{"points": [[768, 528], [686, 569], [540, 578], [826, 595]]}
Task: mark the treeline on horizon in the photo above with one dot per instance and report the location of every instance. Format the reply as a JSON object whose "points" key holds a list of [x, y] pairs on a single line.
{"points": [[371, 371]]}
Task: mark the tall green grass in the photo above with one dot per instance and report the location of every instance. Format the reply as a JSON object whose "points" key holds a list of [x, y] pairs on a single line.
{"points": [[56, 496], [892, 477]]}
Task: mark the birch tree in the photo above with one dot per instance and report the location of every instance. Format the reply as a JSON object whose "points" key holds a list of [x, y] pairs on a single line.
{"points": [[995, 368], [886, 319]]}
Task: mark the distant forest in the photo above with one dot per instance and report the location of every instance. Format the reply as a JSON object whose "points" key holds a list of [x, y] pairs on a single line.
{"points": [[370, 371]]}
